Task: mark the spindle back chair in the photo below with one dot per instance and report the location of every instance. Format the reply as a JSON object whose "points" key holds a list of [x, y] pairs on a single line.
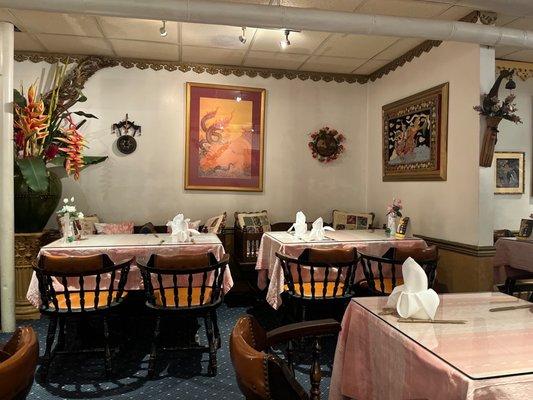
{"points": [[520, 286], [319, 276], [185, 286], [77, 287]]}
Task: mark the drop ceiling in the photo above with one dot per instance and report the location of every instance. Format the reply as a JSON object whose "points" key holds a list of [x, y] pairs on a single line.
{"points": [[213, 44]]}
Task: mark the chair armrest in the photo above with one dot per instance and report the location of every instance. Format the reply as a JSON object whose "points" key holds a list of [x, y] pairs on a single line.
{"points": [[285, 333]]}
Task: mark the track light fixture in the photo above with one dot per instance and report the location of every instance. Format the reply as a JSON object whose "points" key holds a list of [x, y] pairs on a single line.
{"points": [[163, 30], [285, 42], [242, 37]]}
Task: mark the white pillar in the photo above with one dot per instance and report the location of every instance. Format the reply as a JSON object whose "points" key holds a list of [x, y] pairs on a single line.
{"points": [[7, 238]]}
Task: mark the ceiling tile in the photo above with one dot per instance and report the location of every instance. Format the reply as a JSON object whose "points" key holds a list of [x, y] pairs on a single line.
{"points": [[264, 59], [502, 51], [355, 46], [214, 36], [301, 42], [522, 55], [5, 15], [403, 8], [370, 66], [61, 24], [398, 48], [455, 13], [333, 5], [332, 64], [145, 50], [504, 20], [521, 23], [25, 42], [138, 29], [205, 55], [248, 1], [75, 45]]}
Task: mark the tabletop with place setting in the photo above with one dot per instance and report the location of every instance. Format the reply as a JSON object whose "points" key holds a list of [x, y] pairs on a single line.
{"points": [[372, 242], [137, 247], [478, 346]]}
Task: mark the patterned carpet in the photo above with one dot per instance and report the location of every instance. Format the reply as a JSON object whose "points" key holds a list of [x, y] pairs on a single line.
{"points": [[180, 375]]}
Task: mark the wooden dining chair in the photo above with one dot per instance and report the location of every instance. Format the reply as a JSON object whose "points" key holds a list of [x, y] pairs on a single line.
{"points": [[520, 286], [319, 277], [262, 375], [98, 289], [18, 360], [185, 286], [388, 269]]}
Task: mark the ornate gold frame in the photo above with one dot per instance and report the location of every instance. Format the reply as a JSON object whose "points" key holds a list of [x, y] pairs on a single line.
{"points": [[439, 174], [261, 140], [521, 165]]}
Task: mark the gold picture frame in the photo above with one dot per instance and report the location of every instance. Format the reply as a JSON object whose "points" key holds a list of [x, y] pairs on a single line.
{"points": [[243, 172], [509, 170], [415, 136]]}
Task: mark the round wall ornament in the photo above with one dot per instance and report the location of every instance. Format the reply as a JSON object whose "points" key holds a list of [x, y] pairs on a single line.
{"points": [[326, 144]]}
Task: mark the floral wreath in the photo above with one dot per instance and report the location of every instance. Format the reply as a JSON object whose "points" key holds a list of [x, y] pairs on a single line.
{"points": [[325, 144]]}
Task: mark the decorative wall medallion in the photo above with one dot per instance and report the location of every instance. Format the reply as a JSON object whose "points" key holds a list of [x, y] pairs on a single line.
{"points": [[126, 131], [326, 144]]}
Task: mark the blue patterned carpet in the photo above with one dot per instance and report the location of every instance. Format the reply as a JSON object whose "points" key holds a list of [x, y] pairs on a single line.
{"points": [[180, 375]]}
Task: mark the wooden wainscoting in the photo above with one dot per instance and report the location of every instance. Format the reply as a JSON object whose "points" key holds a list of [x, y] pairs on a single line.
{"points": [[463, 267]]}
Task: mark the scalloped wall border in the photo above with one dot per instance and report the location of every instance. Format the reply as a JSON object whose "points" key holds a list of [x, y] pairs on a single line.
{"points": [[524, 70], [486, 18]]}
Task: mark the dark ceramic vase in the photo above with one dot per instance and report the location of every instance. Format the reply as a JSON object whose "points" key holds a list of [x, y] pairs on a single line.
{"points": [[34, 209]]}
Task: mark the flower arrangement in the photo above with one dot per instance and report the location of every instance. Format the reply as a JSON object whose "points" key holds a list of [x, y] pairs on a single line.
{"points": [[395, 209], [45, 133], [326, 144], [70, 210], [492, 107]]}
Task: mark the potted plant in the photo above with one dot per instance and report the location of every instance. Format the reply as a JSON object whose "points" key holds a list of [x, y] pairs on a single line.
{"points": [[46, 136]]}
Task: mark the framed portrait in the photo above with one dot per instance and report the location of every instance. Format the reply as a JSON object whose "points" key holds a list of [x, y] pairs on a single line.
{"points": [[224, 137], [415, 134], [509, 172]]}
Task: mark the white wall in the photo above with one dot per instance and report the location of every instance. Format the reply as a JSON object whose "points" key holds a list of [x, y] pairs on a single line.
{"points": [[441, 209], [148, 184], [509, 209]]}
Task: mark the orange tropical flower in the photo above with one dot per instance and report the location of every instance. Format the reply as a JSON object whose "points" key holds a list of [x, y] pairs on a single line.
{"points": [[30, 124], [73, 145]]}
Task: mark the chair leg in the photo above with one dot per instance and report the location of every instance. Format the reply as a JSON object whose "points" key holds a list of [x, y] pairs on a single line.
{"points": [[153, 352], [315, 373], [107, 350], [212, 368], [50, 337], [217, 331], [304, 313]]}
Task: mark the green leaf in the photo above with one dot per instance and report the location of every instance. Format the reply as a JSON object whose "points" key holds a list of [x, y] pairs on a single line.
{"points": [[82, 98], [34, 172], [84, 114], [18, 98], [59, 161]]}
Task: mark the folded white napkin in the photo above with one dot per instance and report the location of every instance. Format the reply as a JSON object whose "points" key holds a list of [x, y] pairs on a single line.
{"points": [[299, 226], [413, 299], [180, 228], [318, 231]]}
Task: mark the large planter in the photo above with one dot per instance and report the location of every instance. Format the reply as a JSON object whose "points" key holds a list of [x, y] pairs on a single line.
{"points": [[489, 141], [34, 209]]}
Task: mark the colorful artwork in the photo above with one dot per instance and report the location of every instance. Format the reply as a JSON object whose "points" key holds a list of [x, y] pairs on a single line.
{"points": [[509, 172], [224, 149], [415, 136]]}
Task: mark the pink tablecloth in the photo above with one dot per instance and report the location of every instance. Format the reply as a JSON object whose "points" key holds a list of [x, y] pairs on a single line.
{"points": [[369, 242], [124, 247], [513, 257], [489, 357]]}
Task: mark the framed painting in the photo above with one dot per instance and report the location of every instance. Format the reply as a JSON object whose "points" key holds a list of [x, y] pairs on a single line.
{"points": [[509, 172], [224, 137], [415, 134]]}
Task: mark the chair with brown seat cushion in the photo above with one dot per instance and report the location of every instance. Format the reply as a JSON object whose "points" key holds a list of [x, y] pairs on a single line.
{"points": [[261, 375], [185, 285], [99, 288], [388, 269], [18, 360], [520, 286], [319, 277]]}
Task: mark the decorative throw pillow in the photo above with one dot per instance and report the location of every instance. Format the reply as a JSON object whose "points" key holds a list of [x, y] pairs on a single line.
{"points": [[114, 229], [352, 221], [215, 224], [255, 222], [194, 224]]}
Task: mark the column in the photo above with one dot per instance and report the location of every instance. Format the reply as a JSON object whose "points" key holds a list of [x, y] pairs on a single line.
{"points": [[7, 238]]}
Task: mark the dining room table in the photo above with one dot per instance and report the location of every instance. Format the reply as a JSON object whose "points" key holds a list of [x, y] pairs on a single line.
{"points": [[373, 242], [513, 257], [135, 247], [479, 347]]}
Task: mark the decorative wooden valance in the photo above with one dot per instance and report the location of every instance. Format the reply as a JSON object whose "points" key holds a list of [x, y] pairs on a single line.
{"points": [[524, 70]]}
